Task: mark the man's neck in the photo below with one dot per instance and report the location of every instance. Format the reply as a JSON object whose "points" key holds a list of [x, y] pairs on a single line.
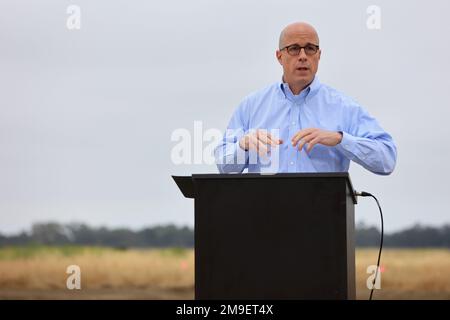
{"points": [[296, 88]]}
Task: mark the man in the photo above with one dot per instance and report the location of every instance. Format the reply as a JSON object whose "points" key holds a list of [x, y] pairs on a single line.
{"points": [[301, 125]]}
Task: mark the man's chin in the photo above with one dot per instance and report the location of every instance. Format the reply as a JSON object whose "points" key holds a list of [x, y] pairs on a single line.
{"points": [[303, 79]]}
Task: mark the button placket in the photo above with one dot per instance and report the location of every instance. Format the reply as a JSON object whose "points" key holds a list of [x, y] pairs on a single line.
{"points": [[293, 128]]}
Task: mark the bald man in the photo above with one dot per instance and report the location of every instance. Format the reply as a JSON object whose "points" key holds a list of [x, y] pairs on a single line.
{"points": [[301, 125]]}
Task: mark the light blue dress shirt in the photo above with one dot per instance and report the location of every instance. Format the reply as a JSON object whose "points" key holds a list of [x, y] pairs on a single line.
{"points": [[275, 108]]}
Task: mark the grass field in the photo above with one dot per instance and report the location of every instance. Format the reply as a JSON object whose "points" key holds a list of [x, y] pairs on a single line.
{"points": [[39, 272]]}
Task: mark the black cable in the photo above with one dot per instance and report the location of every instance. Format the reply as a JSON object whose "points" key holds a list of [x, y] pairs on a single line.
{"points": [[367, 194]]}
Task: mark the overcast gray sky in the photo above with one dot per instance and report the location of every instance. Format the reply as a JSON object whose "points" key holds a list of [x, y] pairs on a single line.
{"points": [[86, 115]]}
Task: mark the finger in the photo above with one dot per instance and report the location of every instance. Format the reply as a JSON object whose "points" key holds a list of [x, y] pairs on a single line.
{"points": [[305, 140], [254, 146], [301, 144], [275, 140], [311, 144], [296, 138], [262, 149], [268, 139], [253, 143], [244, 142], [299, 135], [265, 137], [258, 146]]}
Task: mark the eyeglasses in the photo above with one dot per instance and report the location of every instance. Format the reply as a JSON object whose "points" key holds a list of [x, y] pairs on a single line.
{"points": [[295, 49]]}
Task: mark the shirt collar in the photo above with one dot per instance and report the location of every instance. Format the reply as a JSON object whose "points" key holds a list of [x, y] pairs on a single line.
{"points": [[310, 90]]}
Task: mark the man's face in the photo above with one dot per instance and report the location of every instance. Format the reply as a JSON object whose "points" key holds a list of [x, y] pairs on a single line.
{"points": [[299, 70]]}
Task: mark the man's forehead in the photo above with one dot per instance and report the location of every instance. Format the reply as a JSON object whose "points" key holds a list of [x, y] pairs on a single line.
{"points": [[301, 35]]}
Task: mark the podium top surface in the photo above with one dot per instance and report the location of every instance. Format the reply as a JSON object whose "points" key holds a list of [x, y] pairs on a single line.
{"points": [[185, 183], [272, 175]]}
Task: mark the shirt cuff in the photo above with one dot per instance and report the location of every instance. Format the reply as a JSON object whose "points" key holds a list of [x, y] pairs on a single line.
{"points": [[347, 145]]}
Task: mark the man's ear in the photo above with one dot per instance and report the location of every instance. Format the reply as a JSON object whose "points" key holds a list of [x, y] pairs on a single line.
{"points": [[278, 55], [320, 53]]}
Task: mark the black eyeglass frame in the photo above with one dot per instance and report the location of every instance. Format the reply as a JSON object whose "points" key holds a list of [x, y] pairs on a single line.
{"points": [[300, 48]]}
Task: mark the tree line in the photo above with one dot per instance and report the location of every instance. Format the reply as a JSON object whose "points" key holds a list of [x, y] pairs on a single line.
{"points": [[172, 236]]}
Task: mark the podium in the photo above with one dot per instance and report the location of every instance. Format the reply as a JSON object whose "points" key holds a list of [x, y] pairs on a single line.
{"points": [[279, 236]]}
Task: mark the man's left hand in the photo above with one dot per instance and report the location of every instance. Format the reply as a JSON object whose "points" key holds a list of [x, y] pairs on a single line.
{"points": [[312, 136]]}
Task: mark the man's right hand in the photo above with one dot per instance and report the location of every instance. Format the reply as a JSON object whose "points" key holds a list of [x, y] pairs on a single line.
{"points": [[260, 141]]}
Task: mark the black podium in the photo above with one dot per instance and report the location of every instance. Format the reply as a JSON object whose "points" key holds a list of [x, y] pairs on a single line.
{"points": [[281, 236]]}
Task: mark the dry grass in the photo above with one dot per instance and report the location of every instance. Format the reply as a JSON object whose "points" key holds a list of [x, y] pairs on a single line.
{"points": [[408, 274], [169, 274], [101, 268]]}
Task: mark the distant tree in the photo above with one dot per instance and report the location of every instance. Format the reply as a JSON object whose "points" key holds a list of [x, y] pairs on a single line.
{"points": [[49, 233], [367, 236], [172, 236], [421, 236]]}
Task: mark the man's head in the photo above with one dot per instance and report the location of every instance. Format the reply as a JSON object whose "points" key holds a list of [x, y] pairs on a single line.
{"points": [[299, 65]]}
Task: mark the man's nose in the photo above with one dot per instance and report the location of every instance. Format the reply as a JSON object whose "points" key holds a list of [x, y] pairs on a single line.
{"points": [[302, 55]]}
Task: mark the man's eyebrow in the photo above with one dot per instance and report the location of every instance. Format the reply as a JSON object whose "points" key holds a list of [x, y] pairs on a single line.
{"points": [[292, 44], [308, 43], [301, 45]]}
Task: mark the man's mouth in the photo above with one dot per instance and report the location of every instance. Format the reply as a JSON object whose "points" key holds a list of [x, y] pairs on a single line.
{"points": [[303, 68]]}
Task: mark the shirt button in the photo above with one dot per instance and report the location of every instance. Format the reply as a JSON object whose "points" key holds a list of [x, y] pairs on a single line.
{"points": [[293, 122], [292, 163]]}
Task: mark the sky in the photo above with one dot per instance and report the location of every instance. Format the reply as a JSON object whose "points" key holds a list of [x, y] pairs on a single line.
{"points": [[86, 115]]}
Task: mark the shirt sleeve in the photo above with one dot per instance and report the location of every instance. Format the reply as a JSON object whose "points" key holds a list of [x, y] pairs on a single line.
{"points": [[367, 144], [229, 156]]}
